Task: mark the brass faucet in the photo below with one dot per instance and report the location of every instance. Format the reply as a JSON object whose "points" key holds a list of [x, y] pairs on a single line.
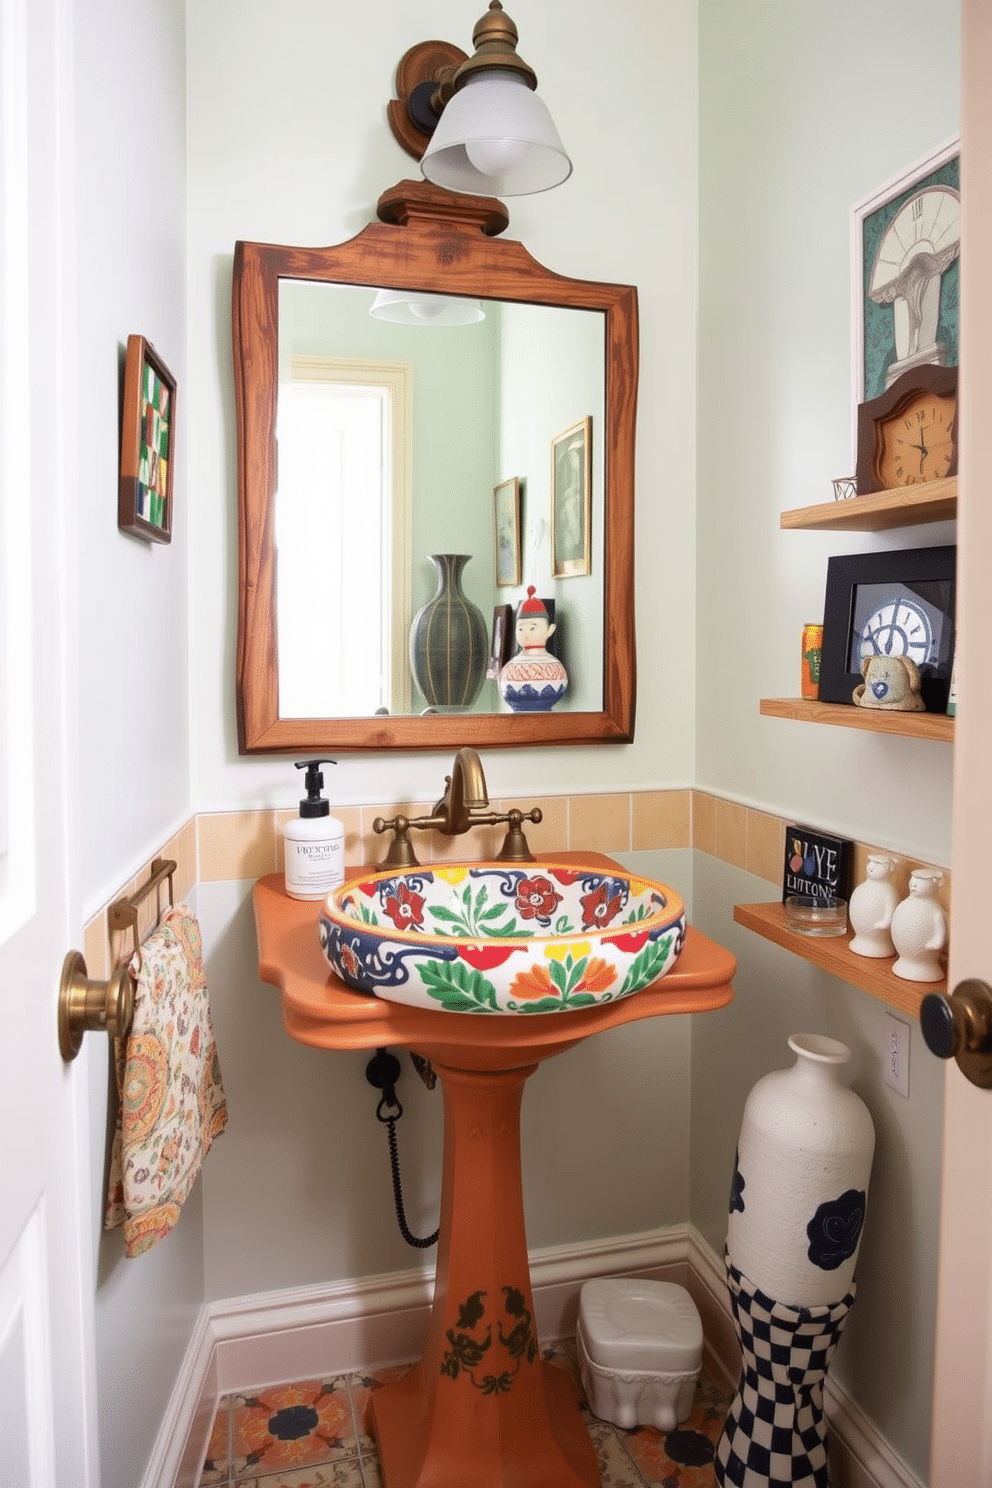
{"points": [[465, 793], [463, 806]]}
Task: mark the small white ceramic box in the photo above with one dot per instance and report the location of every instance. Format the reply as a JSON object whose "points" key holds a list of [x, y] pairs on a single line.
{"points": [[640, 1347]]}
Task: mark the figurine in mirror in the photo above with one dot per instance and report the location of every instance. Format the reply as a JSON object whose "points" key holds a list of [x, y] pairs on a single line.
{"points": [[533, 681]]}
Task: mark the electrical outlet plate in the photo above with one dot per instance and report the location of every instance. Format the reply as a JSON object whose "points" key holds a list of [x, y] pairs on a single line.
{"points": [[895, 1056]]}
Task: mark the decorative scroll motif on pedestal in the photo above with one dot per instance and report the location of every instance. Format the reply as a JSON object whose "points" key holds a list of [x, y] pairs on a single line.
{"points": [[468, 1353]]}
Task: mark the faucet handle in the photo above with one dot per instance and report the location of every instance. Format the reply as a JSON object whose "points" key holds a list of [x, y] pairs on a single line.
{"points": [[401, 853], [515, 849]]}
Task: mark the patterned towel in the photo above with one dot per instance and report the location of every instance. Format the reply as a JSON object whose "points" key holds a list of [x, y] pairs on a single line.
{"points": [[172, 1102]]}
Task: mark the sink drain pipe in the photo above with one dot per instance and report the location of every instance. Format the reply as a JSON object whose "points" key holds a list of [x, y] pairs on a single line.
{"points": [[382, 1072]]}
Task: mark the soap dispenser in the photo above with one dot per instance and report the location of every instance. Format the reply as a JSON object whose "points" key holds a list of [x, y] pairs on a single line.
{"points": [[313, 841]]}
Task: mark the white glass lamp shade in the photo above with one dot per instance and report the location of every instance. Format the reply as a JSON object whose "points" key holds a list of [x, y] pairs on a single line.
{"points": [[496, 138], [408, 307]]}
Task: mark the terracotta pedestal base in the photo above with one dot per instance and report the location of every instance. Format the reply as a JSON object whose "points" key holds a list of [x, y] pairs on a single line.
{"points": [[481, 1408]]}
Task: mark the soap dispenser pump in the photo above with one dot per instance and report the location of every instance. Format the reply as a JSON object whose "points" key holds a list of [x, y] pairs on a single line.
{"points": [[313, 841]]}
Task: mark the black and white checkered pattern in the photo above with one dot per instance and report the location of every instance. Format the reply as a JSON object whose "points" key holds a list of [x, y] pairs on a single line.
{"points": [[775, 1433]]}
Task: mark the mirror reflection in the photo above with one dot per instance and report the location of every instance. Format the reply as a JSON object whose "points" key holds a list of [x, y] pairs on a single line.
{"points": [[403, 440]]}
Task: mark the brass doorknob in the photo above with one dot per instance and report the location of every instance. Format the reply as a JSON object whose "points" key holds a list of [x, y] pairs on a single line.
{"points": [[960, 1027], [88, 1006]]}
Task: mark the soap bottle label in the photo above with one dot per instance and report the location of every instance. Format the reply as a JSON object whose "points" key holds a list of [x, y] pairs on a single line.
{"points": [[313, 868]]}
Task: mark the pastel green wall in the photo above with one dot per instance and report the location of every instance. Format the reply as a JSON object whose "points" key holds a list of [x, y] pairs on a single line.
{"points": [[804, 111]]}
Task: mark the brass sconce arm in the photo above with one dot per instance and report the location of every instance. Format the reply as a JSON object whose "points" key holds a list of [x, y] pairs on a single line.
{"points": [[432, 72]]}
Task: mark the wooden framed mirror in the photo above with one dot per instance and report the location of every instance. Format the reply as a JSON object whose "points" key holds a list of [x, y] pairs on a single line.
{"points": [[432, 243]]}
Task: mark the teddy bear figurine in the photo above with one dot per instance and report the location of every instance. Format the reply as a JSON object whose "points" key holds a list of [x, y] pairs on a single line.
{"points": [[891, 682]]}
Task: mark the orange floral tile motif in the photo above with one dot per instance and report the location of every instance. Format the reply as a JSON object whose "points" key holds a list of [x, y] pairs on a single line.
{"points": [[572, 978], [682, 1458], [292, 1426]]}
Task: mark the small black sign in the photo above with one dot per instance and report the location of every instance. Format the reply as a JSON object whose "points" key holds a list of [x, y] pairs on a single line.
{"points": [[816, 865]]}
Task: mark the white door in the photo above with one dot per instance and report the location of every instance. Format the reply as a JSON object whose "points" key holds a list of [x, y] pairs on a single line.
{"points": [[47, 1377], [962, 1444]]}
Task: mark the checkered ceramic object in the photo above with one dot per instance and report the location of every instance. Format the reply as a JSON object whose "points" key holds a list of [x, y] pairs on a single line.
{"points": [[502, 938], [775, 1434]]}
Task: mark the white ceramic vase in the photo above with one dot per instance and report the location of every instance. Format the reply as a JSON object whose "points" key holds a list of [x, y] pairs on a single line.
{"points": [[919, 929], [800, 1187], [871, 908]]}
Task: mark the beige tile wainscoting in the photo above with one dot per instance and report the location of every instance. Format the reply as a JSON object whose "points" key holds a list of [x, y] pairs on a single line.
{"points": [[216, 846]]}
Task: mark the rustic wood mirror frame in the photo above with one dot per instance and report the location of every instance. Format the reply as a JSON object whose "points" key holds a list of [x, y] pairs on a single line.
{"points": [[431, 240]]}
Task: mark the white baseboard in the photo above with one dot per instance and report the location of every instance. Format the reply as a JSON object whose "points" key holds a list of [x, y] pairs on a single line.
{"points": [[244, 1342]]}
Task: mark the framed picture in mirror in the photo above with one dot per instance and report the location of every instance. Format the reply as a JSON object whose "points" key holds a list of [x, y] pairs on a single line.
{"points": [[571, 504], [148, 432], [502, 640], [506, 512]]}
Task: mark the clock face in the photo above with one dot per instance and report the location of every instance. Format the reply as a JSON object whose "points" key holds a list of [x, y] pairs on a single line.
{"points": [[917, 443], [928, 224], [898, 627]]}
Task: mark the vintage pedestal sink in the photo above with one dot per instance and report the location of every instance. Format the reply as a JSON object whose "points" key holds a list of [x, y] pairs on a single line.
{"points": [[480, 1408]]}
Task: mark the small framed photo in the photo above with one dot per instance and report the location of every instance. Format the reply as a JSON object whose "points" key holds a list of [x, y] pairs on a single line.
{"points": [[571, 501], [900, 323], [506, 512], [148, 434], [889, 603], [499, 654]]}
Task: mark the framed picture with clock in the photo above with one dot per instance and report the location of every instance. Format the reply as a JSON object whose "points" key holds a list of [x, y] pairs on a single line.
{"points": [[905, 246], [909, 434], [897, 603]]}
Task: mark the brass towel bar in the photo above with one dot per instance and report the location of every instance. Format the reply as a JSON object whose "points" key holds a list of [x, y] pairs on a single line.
{"points": [[88, 1006], [123, 913]]}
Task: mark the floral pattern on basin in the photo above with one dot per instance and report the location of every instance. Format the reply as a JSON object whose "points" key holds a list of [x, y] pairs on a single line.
{"points": [[502, 937]]}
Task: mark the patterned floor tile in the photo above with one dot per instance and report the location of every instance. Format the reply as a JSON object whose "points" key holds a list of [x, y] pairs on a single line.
{"points": [[363, 1388], [284, 1427], [317, 1434], [215, 1468], [616, 1470], [344, 1474], [682, 1458]]}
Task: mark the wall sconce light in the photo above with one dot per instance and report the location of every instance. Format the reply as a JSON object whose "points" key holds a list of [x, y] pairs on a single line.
{"points": [[408, 307], [476, 123]]}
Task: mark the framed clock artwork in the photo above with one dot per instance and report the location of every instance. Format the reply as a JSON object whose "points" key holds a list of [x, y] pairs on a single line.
{"points": [[889, 604], [908, 435]]}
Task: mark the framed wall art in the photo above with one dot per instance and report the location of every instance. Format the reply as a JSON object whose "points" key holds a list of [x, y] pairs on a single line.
{"points": [[502, 641], [889, 603], [571, 501], [148, 433], [905, 244], [506, 514]]}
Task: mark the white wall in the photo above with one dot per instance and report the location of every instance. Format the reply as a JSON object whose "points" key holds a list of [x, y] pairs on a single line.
{"points": [[129, 221], [288, 142]]}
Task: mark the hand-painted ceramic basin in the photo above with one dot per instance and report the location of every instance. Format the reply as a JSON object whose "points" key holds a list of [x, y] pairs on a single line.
{"points": [[502, 937]]}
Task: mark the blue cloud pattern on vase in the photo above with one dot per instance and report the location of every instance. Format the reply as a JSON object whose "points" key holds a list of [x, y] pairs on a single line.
{"points": [[737, 1186], [835, 1229]]}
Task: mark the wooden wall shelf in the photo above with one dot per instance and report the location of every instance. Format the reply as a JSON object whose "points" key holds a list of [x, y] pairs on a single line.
{"points": [[832, 954], [846, 715], [936, 501]]}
